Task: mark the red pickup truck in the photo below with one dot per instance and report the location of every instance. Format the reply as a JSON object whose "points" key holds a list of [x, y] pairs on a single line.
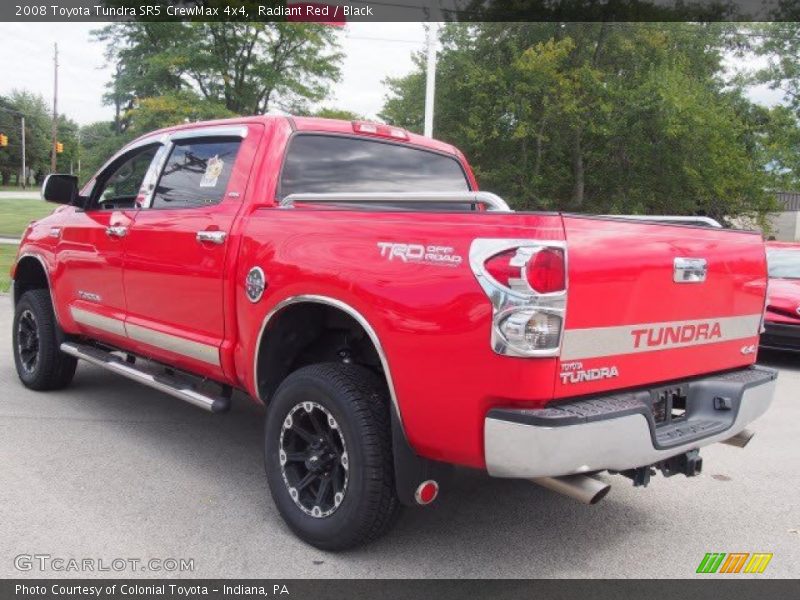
{"points": [[782, 317], [394, 320]]}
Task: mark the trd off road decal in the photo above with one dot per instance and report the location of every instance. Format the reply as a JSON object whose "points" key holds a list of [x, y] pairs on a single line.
{"points": [[418, 253]]}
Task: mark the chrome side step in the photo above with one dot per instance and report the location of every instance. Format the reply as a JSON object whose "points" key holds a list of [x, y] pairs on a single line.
{"points": [[168, 384]]}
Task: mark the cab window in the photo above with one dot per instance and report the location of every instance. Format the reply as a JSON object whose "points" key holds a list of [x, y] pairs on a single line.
{"points": [[124, 183], [196, 174], [329, 163]]}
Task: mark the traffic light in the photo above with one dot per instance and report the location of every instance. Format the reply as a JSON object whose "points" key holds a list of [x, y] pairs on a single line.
{"points": [[59, 147], [3, 140]]}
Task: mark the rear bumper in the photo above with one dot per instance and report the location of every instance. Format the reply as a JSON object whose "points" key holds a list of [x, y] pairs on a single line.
{"points": [[780, 336], [619, 432]]}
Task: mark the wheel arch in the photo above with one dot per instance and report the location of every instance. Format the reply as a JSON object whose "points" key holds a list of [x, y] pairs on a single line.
{"points": [[30, 273], [280, 309]]}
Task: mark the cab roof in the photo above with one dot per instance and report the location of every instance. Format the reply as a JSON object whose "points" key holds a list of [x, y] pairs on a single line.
{"points": [[316, 124]]}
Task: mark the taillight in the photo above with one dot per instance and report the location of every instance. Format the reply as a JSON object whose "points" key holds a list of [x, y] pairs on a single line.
{"points": [[525, 281], [500, 268], [527, 269], [546, 272], [531, 330]]}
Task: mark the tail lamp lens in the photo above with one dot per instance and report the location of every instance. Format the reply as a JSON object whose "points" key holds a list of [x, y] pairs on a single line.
{"points": [[545, 271], [500, 268], [530, 329], [528, 269]]}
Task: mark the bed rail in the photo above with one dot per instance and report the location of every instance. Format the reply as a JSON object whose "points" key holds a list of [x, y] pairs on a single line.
{"points": [[491, 201]]}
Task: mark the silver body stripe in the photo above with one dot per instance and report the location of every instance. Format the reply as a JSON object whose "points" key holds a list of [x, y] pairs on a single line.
{"points": [[109, 324], [172, 343], [597, 342]]}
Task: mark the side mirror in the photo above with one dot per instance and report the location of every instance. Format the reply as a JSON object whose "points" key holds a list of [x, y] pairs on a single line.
{"points": [[61, 189]]}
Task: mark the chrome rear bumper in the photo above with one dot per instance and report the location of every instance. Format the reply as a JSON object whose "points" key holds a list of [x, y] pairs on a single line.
{"points": [[619, 432]]}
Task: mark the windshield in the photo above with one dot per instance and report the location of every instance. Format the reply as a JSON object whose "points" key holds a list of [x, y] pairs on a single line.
{"points": [[784, 264]]}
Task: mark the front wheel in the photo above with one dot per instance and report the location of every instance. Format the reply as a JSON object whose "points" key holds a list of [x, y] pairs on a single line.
{"points": [[328, 455], [40, 363]]}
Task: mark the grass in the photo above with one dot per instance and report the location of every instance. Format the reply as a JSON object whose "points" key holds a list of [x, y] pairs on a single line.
{"points": [[16, 213], [17, 188], [7, 255]]}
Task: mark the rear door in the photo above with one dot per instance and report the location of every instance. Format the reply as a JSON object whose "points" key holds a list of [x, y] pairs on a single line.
{"points": [[178, 244], [649, 302]]}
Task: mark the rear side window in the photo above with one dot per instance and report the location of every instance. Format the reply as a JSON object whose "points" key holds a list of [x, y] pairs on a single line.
{"points": [[318, 164], [196, 174]]}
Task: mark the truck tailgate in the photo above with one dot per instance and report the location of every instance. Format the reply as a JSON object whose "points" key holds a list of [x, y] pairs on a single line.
{"points": [[631, 321]]}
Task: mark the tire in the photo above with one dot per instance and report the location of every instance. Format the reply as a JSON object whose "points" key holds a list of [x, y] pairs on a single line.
{"points": [[35, 337], [357, 402]]}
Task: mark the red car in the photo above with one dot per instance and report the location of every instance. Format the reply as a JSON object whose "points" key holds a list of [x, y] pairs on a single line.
{"points": [[782, 317], [394, 320]]}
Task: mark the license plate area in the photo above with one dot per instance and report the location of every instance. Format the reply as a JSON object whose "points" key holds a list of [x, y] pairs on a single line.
{"points": [[669, 404]]}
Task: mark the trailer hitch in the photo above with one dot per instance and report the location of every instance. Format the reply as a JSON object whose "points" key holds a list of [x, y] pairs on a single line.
{"points": [[689, 463]]}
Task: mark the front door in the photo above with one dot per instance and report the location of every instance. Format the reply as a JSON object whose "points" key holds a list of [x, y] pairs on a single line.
{"points": [[92, 242], [177, 247]]}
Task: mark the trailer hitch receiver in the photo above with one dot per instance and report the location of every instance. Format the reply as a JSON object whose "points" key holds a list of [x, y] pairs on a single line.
{"points": [[689, 463]]}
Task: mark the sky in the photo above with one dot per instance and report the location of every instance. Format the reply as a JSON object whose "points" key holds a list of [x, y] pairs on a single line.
{"points": [[373, 51]]}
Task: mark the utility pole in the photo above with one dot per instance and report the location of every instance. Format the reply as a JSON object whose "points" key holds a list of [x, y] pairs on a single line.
{"points": [[24, 169], [55, 110], [430, 80]]}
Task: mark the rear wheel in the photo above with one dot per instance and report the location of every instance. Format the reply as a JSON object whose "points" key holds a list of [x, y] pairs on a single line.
{"points": [[35, 336], [328, 455]]}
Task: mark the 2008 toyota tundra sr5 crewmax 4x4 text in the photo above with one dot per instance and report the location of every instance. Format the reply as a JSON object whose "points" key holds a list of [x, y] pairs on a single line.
{"points": [[394, 320]]}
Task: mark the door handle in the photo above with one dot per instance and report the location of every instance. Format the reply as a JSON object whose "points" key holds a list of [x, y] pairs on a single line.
{"points": [[215, 237], [117, 231]]}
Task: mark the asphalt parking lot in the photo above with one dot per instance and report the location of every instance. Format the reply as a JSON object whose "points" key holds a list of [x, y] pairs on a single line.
{"points": [[110, 469]]}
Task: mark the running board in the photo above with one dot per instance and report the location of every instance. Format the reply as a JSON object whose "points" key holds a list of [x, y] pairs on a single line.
{"points": [[163, 383]]}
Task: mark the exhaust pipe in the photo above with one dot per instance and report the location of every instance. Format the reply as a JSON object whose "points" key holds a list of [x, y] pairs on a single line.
{"points": [[580, 487], [741, 439]]}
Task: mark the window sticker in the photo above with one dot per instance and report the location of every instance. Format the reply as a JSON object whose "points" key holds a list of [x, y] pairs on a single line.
{"points": [[213, 171]]}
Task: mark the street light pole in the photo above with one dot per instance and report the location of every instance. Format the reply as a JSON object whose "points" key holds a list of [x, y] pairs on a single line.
{"points": [[55, 110], [430, 80]]}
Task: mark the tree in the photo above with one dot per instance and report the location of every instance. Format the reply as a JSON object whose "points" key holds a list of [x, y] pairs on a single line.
{"points": [[336, 113], [9, 125], [780, 43], [626, 117], [67, 135], [780, 144], [37, 135], [174, 108], [98, 142], [247, 68]]}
